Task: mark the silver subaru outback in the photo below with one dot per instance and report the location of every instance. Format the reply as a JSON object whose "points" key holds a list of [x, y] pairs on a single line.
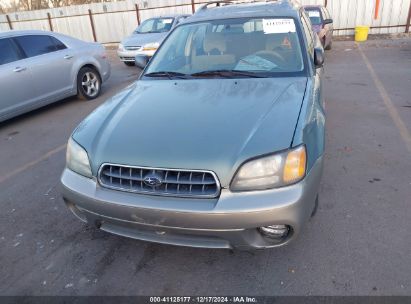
{"points": [[220, 142]]}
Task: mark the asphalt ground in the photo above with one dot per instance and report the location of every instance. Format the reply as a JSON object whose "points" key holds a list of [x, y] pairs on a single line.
{"points": [[358, 243]]}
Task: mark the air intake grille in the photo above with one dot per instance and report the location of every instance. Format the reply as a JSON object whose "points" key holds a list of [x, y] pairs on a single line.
{"points": [[157, 181]]}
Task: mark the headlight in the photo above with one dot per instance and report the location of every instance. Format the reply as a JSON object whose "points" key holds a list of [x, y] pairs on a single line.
{"points": [[121, 47], [151, 46], [77, 159], [271, 171]]}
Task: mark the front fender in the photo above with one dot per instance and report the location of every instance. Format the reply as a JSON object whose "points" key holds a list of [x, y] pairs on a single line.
{"points": [[310, 128]]}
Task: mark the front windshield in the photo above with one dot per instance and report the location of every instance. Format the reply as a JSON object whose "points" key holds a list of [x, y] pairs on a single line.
{"points": [[264, 47], [155, 25], [315, 16]]}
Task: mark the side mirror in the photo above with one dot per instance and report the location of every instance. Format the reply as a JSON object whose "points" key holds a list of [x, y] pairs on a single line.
{"points": [[141, 61], [318, 57], [328, 21]]}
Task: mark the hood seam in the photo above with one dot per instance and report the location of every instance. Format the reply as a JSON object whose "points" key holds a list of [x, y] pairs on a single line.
{"points": [[299, 113]]}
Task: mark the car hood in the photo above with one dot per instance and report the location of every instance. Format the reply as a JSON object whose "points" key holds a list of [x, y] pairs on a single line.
{"points": [[142, 39], [208, 124]]}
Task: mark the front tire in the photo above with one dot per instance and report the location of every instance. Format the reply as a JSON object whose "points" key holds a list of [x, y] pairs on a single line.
{"points": [[129, 63], [88, 83], [329, 46]]}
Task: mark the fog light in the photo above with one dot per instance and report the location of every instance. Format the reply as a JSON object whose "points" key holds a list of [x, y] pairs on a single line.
{"points": [[275, 231]]}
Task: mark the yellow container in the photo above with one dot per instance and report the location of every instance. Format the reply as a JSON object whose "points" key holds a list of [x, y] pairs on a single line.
{"points": [[361, 33]]}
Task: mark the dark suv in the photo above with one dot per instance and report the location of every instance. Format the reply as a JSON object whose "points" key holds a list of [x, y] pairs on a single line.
{"points": [[322, 24]]}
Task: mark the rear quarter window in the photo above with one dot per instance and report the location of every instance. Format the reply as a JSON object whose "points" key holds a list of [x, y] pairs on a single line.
{"points": [[59, 45]]}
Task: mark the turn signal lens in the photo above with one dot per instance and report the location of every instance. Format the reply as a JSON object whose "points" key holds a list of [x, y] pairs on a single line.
{"points": [[295, 164], [149, 49], [151, 46]]}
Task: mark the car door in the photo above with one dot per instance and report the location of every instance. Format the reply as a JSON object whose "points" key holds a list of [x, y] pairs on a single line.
{"points": [[50, 63], [16, 83], [328, 27]]}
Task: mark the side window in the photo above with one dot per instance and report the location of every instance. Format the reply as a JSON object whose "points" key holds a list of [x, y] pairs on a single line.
{"points": [[308, 34], [59, 45], [35, 45], [8, 52]]}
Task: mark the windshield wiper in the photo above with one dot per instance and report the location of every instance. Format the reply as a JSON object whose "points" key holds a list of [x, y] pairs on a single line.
{"points": [[168, 74], [228, 74]]}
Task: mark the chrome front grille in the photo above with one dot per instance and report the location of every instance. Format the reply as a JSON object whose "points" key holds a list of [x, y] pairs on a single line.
{"points": [[159, 181], [132, 48]]}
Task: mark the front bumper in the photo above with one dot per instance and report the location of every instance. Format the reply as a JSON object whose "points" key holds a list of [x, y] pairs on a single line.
{"points": [[129, 56], [230, 221]]}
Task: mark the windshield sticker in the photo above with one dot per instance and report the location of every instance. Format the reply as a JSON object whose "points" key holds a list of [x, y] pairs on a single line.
{"points": [[313, 14], [167, 21], [278, 26]]}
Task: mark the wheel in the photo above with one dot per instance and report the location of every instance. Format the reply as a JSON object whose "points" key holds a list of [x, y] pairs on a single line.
{"points": [[88, 83], [129, 63], [329, 46], [315, 206]]}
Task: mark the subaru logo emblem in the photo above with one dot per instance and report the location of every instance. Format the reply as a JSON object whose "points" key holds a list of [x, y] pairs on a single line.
{"points": [[152, 181]]}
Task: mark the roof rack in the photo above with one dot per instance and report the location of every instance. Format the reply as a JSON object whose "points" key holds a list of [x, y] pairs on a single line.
{"points": [[228, 2], [217, 3]]}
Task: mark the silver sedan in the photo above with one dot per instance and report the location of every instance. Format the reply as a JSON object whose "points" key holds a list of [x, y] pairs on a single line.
{"points": [[38, 68]]}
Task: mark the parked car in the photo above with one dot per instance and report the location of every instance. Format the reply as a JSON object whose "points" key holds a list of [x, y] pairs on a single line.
{"points": [[38, 68], [219, 143], [322, 24], [146, 39]]}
